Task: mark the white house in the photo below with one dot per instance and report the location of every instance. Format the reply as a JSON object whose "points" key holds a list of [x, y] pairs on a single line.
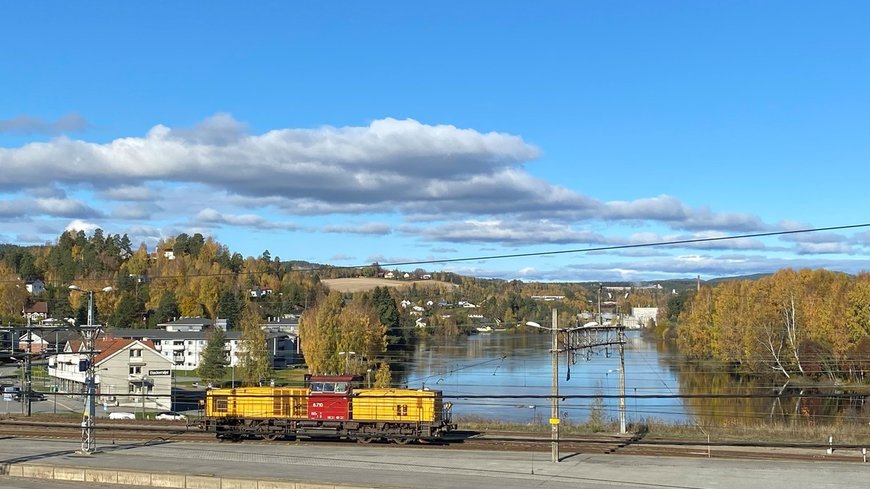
{"points": [[35, 287], [127, 372]]}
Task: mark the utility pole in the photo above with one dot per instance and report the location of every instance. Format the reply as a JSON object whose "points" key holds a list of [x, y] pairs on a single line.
{"points": [[554, 403], [554, 413], [621, 339], [27, 386], [577, 338], [89, 413], [89, 335]]}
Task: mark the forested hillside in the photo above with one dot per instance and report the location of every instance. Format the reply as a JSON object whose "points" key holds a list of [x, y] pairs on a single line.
{"points": [[197, 276]]}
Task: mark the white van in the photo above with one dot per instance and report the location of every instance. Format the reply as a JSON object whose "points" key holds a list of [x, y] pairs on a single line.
{"points": [[10, 392]]}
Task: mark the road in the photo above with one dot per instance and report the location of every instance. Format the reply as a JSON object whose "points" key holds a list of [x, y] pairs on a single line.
{"points": [[434, 468]]}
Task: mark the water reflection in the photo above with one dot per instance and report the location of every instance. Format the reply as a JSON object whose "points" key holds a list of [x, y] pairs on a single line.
{"points": [[519, 366], [514, 368]]}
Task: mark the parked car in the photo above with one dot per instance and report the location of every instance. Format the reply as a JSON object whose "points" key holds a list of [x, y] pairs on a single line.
{"points": [[170, 416], [121, 415], [34, 396]]}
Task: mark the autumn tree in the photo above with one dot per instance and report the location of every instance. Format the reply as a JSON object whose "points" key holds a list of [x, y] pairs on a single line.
{"points": [[330, 328], [383, 376], [254, 363], [318, 332], [360, 331]]}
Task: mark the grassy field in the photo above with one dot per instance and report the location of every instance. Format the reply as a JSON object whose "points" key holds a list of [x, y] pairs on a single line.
{"points": [[360, 284]]}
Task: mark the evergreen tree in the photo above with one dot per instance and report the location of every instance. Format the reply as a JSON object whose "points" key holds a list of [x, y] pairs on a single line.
{"points": [[126, 314], [212, 366], [229, 309], [388, 313], [254, 362], [167, 309]]}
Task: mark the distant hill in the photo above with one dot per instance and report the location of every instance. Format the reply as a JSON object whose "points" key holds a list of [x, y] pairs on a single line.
{"points": [[754, 276]]}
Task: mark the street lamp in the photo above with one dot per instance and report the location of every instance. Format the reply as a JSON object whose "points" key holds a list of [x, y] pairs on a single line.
{"points": [[347, 355], [89, 335]]}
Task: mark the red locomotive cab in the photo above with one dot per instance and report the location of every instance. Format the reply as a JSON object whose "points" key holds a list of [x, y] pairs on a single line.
{"points": [[329, 397]]}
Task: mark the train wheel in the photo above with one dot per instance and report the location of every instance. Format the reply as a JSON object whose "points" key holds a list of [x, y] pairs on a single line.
{"points": [[273, 436], [403, 441], [365, 440]]}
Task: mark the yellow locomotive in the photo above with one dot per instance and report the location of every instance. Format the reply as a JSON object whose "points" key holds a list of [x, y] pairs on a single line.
{"points": [[328, 407]]}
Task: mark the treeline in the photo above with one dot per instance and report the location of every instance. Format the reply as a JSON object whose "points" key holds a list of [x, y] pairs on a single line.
{"points": [[811, 323]]}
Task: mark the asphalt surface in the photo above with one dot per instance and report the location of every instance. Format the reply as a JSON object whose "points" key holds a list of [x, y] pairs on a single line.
{"points": [[435, 468]]}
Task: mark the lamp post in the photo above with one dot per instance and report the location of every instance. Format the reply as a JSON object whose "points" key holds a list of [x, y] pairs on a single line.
{"points": [[89, 335], [347, 355]]}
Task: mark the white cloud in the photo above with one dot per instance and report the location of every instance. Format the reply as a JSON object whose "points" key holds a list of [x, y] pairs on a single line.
{"points": [[371, 228], [515, 233], [424, 172], [65, 208], [79, 225], [213, 217], [128, 193]]}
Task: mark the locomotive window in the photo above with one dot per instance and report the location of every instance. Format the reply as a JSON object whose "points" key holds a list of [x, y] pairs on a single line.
{"points": [[328, 387], [220, 404], [317, 387], [341, 387]]}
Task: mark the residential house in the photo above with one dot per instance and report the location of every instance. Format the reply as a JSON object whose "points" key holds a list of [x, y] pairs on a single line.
{"points": [[35, 287], [35, 311], [48, 341], [193, 324], [128, 372]]}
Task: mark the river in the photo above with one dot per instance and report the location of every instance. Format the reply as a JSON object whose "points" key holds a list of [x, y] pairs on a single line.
{"points": [[514, 368]]}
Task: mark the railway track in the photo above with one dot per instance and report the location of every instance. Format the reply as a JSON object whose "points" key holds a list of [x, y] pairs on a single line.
{"points": [[495, 441]]}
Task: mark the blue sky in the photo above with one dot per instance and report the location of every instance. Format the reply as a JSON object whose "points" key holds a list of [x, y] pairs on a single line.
{"points": [[352, 132]]}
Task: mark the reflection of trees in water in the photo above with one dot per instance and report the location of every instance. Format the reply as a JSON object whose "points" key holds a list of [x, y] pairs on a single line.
{"points": [[786, 404]]}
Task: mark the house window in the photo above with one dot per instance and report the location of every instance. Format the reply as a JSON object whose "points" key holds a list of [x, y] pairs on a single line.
{"points": [[135, 370], [135, 353], [132, 388]]}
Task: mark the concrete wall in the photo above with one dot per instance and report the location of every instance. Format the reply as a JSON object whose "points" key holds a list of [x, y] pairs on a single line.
{"points": [[154, 479]]}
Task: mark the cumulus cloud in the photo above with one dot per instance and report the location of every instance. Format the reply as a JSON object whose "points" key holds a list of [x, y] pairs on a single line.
{"points": [[134, 212], [372, 229], [342, 257], [80, 225], [128, 193], [424, 172], [54, 207], [515, 233], [213, 217], [824, 248], [65, 208], [28, 125], [28, 238]]}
